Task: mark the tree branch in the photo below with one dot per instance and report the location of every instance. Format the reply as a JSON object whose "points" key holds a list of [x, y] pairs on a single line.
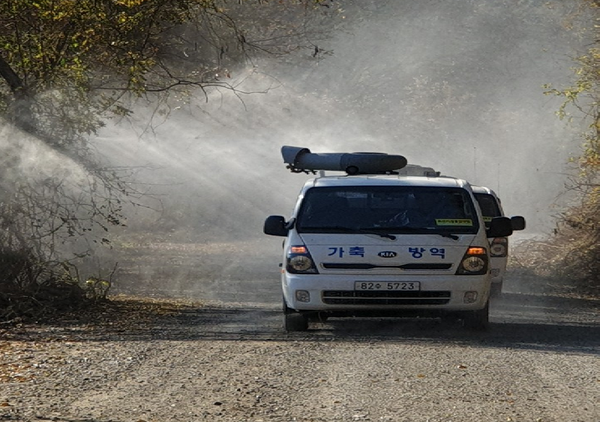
{"points": [[10, 76]]}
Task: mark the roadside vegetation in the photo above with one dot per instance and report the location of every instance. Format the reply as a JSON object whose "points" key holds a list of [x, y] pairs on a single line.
{"points": [[66, 68], [571, 257]]}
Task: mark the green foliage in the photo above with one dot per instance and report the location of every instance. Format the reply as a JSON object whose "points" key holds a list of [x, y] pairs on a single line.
{"points": [[578, 232], [74, 48], [92, 52], [96, 288], [65, 67], [584, 97]]}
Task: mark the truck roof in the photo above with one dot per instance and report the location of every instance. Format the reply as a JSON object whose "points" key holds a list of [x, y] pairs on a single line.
{"points": [[386, 180], [482, 189]]}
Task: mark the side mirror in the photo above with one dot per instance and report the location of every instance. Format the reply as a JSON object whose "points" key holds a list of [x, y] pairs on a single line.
{"points": [[517, 222], [500, 227], [275, 225]]}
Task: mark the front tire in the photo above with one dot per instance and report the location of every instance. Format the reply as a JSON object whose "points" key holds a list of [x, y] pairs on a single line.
{"points": [[293, 320], [496, 291], [479, 319]]}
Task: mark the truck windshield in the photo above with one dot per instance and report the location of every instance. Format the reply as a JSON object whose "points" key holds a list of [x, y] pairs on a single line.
{"points": [[387, 209], [489, 207]]}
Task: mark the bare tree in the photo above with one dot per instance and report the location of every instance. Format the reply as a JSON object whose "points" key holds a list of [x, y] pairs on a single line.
{"points": [[66, 67]]}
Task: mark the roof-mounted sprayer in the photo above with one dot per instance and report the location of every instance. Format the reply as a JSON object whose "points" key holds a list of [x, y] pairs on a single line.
{"points": [[301, 160]]}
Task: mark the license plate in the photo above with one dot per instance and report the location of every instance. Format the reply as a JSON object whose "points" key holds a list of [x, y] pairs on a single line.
{"points": [[387, 285]]}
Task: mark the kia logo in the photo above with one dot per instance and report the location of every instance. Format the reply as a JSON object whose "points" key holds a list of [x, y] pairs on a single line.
{"points": [[387, 254]]}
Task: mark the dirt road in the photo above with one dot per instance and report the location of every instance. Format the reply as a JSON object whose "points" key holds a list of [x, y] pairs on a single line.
{"points": [[230, 362], [229, 359]]}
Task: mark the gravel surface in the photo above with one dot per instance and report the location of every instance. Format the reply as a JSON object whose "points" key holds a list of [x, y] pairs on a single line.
{"points": [[231, 360]]}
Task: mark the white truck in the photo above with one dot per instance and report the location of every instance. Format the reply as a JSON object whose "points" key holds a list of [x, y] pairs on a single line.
{"points": [[491, 207], [377, 243]]}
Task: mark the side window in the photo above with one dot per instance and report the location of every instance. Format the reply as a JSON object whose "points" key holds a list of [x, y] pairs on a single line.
{"points": [[488, 205]]}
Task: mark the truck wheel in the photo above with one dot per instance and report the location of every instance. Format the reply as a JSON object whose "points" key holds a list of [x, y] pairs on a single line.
{"points": [[295, 322], [496, 291], [292, 320], [478, 320]]}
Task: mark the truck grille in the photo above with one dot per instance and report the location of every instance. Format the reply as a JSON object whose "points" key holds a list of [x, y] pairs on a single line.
{"points": [[351, 297], [425, 266]]}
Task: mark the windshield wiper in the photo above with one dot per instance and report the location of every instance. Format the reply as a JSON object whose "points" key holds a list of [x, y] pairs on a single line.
{"points": [[450, 235], [422, 230], [351, 230], [367, 231]]}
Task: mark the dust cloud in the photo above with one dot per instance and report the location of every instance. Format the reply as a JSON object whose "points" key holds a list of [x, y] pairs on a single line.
{"points": [[455, 85]]}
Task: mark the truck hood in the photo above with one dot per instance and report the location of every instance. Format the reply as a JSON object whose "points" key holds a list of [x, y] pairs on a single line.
{"points": [[371, 253]]}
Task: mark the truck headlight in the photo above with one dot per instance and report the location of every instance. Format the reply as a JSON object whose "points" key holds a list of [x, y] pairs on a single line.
{"points": [[474, 262], [499, 247], [299, 261]]}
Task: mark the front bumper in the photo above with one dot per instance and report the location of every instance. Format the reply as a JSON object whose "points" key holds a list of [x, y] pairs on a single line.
{"points": [[337, 293]]}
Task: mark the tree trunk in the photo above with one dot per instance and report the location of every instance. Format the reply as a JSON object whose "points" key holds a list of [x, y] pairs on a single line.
{"points": [[20, 112]]}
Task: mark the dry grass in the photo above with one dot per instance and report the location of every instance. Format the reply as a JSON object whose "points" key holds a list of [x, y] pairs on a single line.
{"points": [[567, 263]]}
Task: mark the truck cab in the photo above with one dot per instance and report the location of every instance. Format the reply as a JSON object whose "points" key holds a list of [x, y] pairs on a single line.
{"points": [[384, 244], [491, 207]]}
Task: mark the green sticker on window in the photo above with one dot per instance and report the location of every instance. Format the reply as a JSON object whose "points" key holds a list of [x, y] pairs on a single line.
{"points": [[454, 222], [487, 219]]}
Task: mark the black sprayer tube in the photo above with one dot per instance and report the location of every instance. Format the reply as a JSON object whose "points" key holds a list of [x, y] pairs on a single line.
{"points": [[302, 160]]}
